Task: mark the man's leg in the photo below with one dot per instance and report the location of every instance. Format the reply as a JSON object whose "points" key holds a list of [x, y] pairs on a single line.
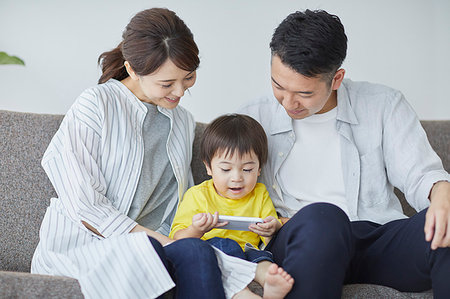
{"points": [[397, 255], [195, 268], [315, 247]]}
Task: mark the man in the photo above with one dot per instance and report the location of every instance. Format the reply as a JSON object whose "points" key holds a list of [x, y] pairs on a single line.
{"points": [[337, 148]]}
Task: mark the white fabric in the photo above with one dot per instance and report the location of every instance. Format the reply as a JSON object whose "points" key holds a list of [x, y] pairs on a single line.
{"points": [[382, 145], [312, 171], [94, 162]]}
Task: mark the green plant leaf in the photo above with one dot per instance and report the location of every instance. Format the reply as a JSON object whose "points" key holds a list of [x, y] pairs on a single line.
{"points": [[6, 59]]}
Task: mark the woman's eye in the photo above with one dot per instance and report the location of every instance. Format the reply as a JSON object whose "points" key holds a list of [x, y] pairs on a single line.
{"points": [[166, 86], [189, 78], [225, 170], [248, 170]]}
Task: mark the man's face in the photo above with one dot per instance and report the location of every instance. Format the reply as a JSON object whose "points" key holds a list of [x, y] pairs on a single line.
{"points": [[303, 96]]}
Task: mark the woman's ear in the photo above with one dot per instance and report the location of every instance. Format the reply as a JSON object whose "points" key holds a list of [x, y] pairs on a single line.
{"points": [[130, 71], [259, 171]]}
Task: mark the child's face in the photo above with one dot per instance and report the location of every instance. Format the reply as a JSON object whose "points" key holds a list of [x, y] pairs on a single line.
{"points": [[234, 177]]}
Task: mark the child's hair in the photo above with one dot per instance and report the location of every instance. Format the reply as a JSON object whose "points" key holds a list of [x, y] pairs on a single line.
{"points": [[233, 133], [152, 36]]}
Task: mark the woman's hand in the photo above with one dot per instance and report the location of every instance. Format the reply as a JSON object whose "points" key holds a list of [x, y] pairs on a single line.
{"points": [[266, 229], [159, 237]]}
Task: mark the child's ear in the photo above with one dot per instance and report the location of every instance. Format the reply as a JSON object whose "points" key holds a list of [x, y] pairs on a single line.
{"points": [[208, 169]]}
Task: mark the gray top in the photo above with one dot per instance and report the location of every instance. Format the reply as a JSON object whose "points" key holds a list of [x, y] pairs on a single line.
{"points": [[157, 183]]}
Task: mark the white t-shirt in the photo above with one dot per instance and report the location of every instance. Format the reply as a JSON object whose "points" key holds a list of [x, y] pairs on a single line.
{"points": [[312, 171]]}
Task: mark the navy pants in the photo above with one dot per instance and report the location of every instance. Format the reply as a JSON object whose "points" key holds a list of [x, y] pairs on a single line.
{"points": [[323, 250], [231, 247], [192, 264]]}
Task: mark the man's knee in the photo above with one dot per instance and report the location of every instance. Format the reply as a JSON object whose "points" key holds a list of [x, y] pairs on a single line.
{"points": [[321, 216]]}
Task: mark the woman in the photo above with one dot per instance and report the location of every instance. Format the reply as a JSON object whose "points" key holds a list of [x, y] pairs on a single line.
{"points": [[119, 163]]}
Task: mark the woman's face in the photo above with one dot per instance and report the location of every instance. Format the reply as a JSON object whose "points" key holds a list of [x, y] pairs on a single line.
{"points": [[164, 87]]}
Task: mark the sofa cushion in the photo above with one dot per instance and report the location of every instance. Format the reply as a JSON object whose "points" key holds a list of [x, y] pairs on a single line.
{"points": [[25, 190], [26, 285]]}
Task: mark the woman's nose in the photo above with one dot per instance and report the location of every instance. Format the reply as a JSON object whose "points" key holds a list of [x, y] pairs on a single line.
{"points": [[179, 91]]}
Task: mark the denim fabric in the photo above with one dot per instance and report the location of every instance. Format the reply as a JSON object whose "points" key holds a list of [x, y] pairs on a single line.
{"points": [[193, 266], [323, 250], [233, 248]]}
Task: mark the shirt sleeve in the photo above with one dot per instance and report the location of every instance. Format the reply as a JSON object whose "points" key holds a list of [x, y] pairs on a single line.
{"points": [[188, 207], [411, 163], [72, 163]]}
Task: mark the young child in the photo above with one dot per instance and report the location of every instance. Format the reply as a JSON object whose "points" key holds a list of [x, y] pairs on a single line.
{"points": [[233, 149]]}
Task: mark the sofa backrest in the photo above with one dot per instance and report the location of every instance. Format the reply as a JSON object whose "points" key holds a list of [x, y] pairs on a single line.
{"points": [[25, 190]]}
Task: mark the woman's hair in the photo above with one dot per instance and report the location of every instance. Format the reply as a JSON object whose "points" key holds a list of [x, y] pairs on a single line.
{"points": [[233, 133], [312, 43], [152, 36]]}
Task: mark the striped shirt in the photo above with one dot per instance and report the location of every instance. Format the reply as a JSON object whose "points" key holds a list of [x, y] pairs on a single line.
{"points": [[94, 163]]}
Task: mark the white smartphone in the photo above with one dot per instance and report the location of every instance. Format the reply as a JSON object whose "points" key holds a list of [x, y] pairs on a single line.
{"points": [[237, 222]]}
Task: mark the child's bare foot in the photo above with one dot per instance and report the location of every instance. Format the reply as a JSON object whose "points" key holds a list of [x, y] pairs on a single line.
{"points": [[277, 283]]}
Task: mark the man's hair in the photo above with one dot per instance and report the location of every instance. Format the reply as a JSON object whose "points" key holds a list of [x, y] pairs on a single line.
{"points": [[233, 134], [312, 43]]}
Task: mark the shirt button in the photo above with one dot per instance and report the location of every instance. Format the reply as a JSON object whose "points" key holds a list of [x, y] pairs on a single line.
{"points": [[291, 135], [281, 154], [274, 186]]}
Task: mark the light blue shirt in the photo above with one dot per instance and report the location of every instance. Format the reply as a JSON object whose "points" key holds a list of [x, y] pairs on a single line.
{"points": [[382, 145]]}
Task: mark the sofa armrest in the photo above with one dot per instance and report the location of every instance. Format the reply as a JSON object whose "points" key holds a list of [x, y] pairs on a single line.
{"points": [[27, 285]]}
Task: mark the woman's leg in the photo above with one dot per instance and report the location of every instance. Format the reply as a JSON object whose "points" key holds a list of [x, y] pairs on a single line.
{"points": [[315, 247], [195, 269]]}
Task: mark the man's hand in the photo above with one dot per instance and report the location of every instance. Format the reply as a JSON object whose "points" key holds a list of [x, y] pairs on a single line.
{"points": [[267, 229], [437, 219]]}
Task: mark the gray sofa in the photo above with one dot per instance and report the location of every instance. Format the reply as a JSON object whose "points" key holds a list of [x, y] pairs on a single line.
{"points": [[25, 192]]}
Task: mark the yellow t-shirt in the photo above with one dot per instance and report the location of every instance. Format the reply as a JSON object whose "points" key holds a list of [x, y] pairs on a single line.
{"points": [[203, 198]]}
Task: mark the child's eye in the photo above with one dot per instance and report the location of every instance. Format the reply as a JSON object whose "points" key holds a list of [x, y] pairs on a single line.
{"points": [[224, 170], [248, 170]]}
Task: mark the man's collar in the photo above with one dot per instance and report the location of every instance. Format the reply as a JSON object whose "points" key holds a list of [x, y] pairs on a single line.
{"points": [[282, 122], [345, 112]]}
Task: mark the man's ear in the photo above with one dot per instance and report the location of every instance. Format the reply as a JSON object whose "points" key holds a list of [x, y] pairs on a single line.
{"points": [[337, 79], [130, 71], [208, 169]]}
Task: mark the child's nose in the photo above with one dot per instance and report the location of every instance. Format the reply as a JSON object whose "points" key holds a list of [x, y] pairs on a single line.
{"points": [[237, 176]]}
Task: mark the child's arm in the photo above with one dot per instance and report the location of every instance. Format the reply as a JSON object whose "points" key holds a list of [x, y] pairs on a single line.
{"points": [[201, 224]]}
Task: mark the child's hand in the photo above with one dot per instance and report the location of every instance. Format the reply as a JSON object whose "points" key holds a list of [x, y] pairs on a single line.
{"points": [[267, 229], [204, 222]]}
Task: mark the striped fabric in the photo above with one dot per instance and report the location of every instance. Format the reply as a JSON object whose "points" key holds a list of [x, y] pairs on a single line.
{"points": [[94, 162]]}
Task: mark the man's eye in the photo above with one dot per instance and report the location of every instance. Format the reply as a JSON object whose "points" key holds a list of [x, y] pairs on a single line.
{"points": [[189, 78], [166, 86]]}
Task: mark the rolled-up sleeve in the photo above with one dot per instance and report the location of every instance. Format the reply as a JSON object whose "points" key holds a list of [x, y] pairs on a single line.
{"points": [[411, 163]]}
